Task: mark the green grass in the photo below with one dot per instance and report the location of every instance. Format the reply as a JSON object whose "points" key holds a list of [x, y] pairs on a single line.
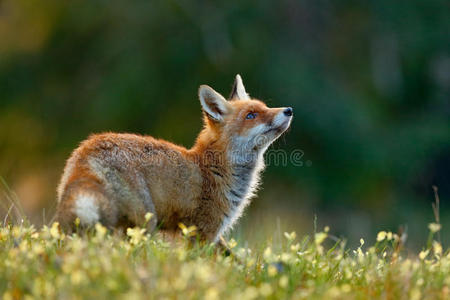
{"points": [[47, 264]]}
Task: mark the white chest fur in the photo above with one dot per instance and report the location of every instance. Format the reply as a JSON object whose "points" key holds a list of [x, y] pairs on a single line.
{"points": [[243, 186]]}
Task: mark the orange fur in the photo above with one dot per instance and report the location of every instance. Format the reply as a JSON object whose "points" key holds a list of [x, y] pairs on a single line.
{"points": [[116, 178]]}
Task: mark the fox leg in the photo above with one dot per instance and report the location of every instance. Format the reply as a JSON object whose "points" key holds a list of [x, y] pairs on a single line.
{"points": [[138, 209]]}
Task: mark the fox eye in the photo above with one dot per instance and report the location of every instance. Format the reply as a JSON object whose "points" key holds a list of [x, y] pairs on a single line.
{"points": [[251, 116]]}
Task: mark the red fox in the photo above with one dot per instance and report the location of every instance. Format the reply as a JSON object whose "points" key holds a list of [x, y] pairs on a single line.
{"points": [[115, 179]]}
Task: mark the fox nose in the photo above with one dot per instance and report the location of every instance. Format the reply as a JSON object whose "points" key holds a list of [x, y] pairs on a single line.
{"points": [[288, 112]]}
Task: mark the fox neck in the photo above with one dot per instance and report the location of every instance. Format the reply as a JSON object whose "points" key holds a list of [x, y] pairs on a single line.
{"points": [[232, 169]]}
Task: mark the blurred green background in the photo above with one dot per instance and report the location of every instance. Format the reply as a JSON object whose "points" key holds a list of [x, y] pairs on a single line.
{"points": [[369, 82]]}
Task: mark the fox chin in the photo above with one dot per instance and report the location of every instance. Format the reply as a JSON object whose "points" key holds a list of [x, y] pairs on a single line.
{"points": [[115, 179]]}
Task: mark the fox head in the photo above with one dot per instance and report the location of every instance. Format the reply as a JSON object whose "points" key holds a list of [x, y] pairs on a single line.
{"points": [[245, 126]]}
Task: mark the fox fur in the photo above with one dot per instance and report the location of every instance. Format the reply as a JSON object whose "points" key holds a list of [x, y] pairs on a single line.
{"points": [[115, 178]]}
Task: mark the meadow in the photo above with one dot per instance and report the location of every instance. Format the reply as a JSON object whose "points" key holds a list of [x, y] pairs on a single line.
{"points": [[48, 264]]}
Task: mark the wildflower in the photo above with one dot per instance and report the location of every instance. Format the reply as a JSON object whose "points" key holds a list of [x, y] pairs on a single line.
{"points": [[268, 257], [38, 248], [381, 236], [326, 229], [362, 242], [23, 246], [54, 231], [250, 262], [148, 216], [360, 253], [272, 271], [136, 235], [290, 236], [320, 237], [389, 236], [396, 237], [286, 257], [437, 248], [295, 248], [423, 254], [77, 222], [231, 243], [16, 232], [434, 227], [187, 231]]}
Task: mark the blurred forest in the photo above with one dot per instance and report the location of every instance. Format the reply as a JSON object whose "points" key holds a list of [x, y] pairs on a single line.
{"points": [[369, 82]]}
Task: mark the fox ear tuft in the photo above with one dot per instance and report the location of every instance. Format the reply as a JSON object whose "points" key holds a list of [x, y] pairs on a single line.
{"points": [[214, 104], [238, 90]]}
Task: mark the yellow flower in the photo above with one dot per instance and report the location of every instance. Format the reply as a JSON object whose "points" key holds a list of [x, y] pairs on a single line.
{"points": [[268, 254], [290, 236], [389, 236], [381, 236], [434, 227], [54, 230], [187, 231], [362, 242], [136, 235], [250, 262], [286, 257], [295, 248], [148, 216], [231, 243], [437, 248], [38, 248], [272, 271], [320, 237], [423, 254]]}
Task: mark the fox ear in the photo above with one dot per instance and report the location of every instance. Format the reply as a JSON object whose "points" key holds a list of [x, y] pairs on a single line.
{"points": [[214, 104], [238, 90]]}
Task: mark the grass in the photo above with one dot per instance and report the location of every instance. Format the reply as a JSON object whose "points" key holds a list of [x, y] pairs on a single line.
{"points": [[48, 264]]}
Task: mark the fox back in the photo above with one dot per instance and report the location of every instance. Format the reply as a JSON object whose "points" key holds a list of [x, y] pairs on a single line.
{"points": [[115, 179]]}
